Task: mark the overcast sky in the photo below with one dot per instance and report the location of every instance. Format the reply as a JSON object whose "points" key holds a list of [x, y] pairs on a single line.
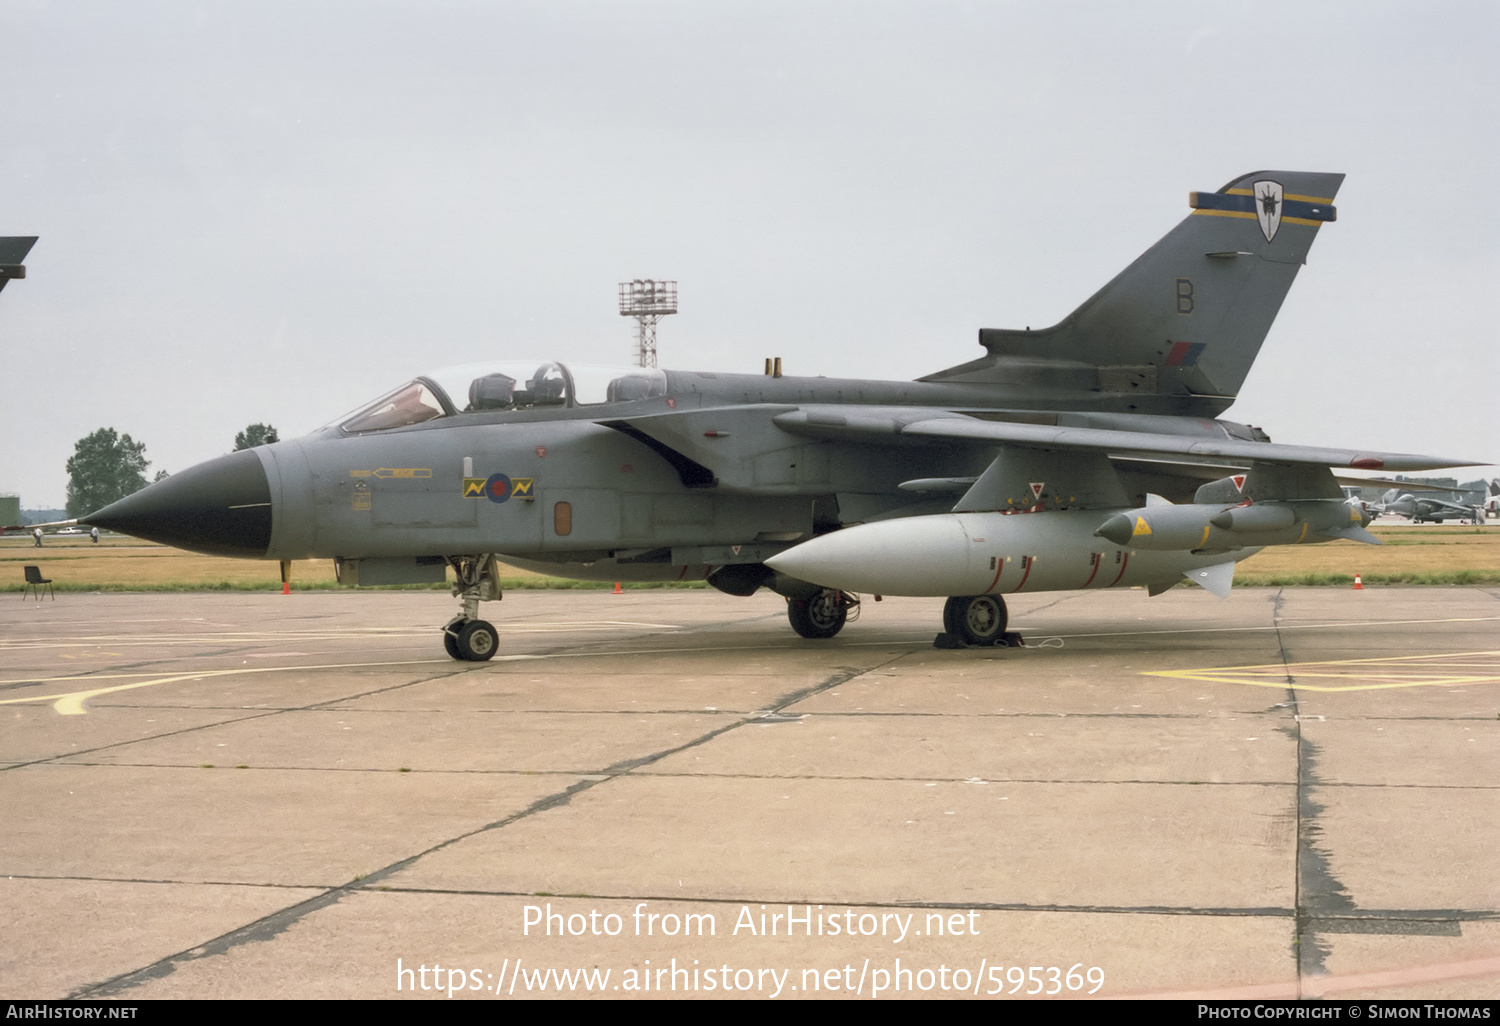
{"points": [[272, 212]]}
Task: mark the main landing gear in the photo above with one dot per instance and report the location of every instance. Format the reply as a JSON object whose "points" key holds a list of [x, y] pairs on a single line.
{"points": [[466, 636], [975, 619], [823, 614]]}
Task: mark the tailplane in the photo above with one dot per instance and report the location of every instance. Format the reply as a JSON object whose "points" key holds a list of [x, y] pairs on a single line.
{"points": [[1188, 317]]}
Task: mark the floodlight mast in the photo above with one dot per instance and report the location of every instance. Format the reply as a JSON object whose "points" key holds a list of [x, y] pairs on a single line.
{"points": [[648, 301]]}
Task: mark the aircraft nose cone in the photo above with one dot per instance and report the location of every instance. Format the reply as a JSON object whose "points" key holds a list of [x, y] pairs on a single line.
{"points": [[221, 508]]}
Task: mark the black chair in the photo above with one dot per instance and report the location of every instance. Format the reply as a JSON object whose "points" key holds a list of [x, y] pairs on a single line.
{"points": [[34, 582]]}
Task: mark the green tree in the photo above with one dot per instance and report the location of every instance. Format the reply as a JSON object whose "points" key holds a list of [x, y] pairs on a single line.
{"points": [[104, 468], [255, 434]]}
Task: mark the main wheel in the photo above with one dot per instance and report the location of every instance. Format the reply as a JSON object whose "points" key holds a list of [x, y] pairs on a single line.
{"points": [[821, 616], [952, 610], [975, 619], [477, 641]]}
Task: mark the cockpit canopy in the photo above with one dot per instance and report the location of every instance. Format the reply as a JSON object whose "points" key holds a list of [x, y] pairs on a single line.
{"points": [[475, 388]]}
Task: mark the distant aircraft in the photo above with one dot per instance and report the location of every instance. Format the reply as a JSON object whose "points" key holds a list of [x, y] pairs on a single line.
{"points": [[1081, 456], [1423, 509], [1492, 501], [13, 250]]}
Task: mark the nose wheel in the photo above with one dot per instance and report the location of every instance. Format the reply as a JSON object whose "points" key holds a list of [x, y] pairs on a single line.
{"points": [[473, 640]]}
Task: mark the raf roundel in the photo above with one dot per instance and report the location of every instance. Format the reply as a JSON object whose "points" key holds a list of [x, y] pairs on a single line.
{"points": [[497, 488]]}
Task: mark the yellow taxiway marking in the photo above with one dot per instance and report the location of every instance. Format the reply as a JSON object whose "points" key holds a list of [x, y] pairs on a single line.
{"points": [[1425, 671], [1332, 624], [325, 634], [70, 703]]}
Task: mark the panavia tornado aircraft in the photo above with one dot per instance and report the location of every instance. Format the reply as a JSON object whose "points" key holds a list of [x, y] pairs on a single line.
{"points": [[1081, 456]]}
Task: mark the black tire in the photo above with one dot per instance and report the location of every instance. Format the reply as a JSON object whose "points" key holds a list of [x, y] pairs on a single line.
{"points": [[952, 615], [477, 641], [975, 619], [450, 639], [821, 616]]}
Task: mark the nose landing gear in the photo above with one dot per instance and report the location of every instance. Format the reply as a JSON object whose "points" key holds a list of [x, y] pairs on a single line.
{"points": [[466, 636]]}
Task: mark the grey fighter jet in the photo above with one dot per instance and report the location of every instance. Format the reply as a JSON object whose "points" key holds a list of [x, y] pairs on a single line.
{"points": [[1422, 509], [1084, 455]]}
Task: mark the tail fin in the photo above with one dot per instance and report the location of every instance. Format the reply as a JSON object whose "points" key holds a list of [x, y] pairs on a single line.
{"points": [[1188, 317]]}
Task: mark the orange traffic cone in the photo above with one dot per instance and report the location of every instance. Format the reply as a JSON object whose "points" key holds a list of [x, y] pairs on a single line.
{"points": [[617, 590], [1357, 585]]}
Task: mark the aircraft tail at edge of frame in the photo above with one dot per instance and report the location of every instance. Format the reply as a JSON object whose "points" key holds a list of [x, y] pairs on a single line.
{"points": [[13, 249], [1189, 315]]}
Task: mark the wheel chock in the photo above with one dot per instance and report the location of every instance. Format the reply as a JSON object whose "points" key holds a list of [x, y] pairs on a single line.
{"points": [[1009, 639]]}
